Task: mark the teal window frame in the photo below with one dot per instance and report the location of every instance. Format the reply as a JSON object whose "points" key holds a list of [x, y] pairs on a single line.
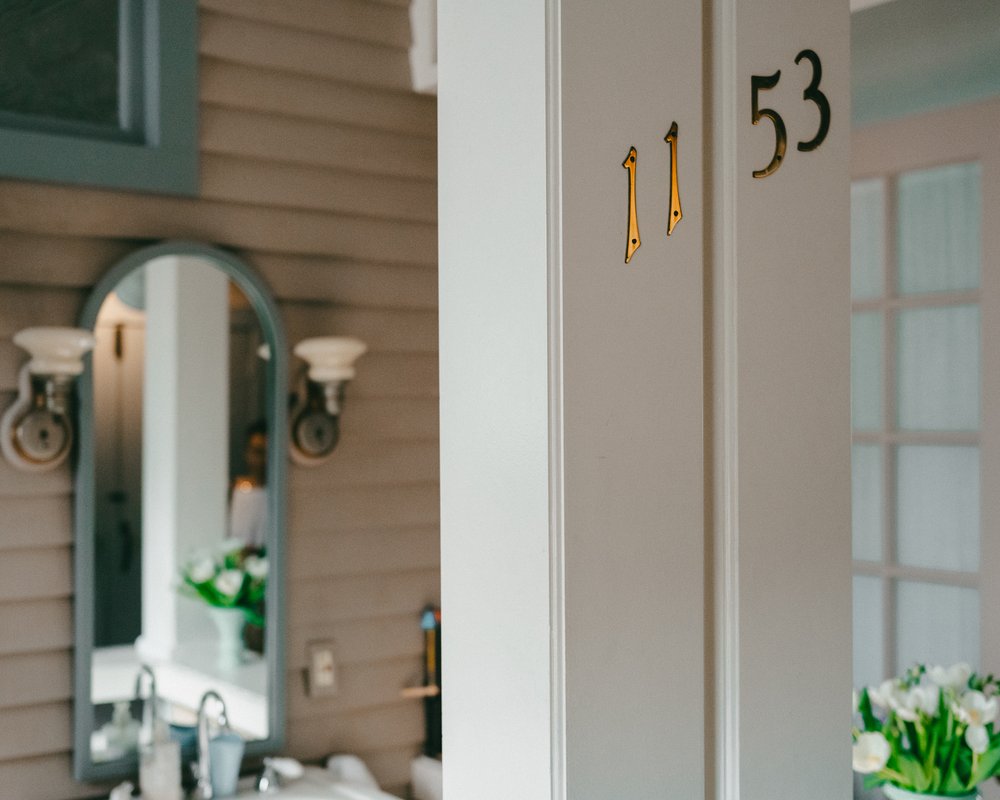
{"points": [[164, 157]]}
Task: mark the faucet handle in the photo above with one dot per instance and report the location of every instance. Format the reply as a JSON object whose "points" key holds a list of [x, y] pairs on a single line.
{"points": [[267, 781], [276, 769]]}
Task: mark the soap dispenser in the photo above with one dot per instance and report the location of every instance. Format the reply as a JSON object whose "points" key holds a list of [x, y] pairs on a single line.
{"points": [[159, 755]]}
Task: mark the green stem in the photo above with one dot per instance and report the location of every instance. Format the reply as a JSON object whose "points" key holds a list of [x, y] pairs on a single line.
{"points": [[972, 773], [895, 777], [950, 764]]}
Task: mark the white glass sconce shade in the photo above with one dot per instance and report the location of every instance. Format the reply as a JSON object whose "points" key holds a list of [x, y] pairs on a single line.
{"points": [[316, 419], [36, 431], [55, 351], [330, 358]]}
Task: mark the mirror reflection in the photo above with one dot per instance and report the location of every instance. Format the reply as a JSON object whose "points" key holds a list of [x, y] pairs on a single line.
{"points": [[181, 503]]}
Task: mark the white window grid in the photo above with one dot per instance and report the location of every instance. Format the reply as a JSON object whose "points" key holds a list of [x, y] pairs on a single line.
{"points": [[889, 437]]}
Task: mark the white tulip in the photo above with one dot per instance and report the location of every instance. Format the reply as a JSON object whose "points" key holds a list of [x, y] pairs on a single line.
{"points": [[907, 703], [977, 738], [201, 570], [882, 696], [229, 582], [954, 677], [927, 699], [870, 753], [975, 708], [227, 546], [256, 566]]}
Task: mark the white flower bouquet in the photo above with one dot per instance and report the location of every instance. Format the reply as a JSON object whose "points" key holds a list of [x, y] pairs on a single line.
{"points": [[230, 578], [931, 731]]}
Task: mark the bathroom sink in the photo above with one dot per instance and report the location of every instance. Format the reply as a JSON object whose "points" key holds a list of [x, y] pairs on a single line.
{"points": [[316, 784]]}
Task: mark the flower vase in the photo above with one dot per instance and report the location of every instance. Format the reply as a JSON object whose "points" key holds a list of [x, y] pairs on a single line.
{"points": [[229, 622], [895, 793]]}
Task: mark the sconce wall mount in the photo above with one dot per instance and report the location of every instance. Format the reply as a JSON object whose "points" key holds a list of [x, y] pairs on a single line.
{"points": [[316, 414], [36, 432]]}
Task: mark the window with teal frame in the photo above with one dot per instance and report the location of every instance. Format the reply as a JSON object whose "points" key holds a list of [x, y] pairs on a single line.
{"points": [[100, 92]]}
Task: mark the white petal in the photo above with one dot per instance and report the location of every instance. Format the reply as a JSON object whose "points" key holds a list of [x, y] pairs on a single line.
{"points": [[229, 581], [870, 753], [256, 566], [991, 708], [202, 570], [977, 738]]}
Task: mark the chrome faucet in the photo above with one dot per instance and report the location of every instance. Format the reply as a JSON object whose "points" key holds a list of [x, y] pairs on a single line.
{"points": [[149, 710], [203, 791]]}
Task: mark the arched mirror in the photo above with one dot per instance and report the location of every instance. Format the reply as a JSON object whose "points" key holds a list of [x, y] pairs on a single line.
{"points": [[180, 497]]}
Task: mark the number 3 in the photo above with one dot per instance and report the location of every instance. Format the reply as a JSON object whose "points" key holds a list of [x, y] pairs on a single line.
{"points": [[813, 93], [757, 83]]}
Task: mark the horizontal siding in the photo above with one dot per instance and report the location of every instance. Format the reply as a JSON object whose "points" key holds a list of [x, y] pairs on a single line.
{"points": [[316, 279], [36, 626], [36, 521], [350, 19], [23, 306], [246, 87], [36, 678], [358, 640], [16, 485], [57, 210], [55, 259], [372, 463], [273, 137], [365, 508], [361, 553], [304, 52], [373, 729], [36, 574], [404, 332], [45, 778], [318, 168], [265, 183]]}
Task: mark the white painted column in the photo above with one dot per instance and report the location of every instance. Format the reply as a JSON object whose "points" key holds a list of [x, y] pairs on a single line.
{"points": [[781, 430], [185, 440], [572, 401], [584, 497]]}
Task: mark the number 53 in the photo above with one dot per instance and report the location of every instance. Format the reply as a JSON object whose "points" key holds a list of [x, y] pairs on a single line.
{"points": [[759, 83]]}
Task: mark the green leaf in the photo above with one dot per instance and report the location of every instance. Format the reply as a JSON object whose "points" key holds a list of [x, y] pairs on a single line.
{"points": [[987, 766], [873, 780], [911, 769], [867, 715], [952, 785]]}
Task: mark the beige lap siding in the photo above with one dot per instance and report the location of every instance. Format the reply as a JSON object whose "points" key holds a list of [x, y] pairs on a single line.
{"points": [[318, 168]]}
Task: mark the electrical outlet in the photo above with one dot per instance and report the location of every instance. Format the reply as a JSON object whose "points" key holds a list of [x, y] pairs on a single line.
{"points": [[321, 674]]}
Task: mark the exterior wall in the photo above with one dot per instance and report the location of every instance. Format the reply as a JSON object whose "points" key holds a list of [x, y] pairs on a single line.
{"points": [[318, 168]]}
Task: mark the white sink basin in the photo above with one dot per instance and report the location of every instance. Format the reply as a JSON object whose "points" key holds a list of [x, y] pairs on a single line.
{"points": [[315, 784]]}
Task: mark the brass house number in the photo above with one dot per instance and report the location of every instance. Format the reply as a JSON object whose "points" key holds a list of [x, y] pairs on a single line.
{"points": [[812, 93], [674, 213]]}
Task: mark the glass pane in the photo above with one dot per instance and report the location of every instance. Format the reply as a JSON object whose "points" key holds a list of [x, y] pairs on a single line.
{"points": [[867, 238], [59, 59], [866, 370], [866, 501], [936, 624], [868, 631], [939, 369], [937, 511], [938, 229]]}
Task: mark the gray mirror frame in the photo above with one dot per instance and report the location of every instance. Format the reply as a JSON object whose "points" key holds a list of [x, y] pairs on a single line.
{"points": [[257, 292]]}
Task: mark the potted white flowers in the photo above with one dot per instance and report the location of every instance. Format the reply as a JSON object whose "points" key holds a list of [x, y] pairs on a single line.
{"points": [[233, 583], [929, 733]]}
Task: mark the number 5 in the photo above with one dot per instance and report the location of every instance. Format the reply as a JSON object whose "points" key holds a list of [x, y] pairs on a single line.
{"points": [[757, 84]]}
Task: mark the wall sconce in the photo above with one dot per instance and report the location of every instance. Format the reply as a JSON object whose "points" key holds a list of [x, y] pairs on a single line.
{"points": [[36, 432], [316, 411]]}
